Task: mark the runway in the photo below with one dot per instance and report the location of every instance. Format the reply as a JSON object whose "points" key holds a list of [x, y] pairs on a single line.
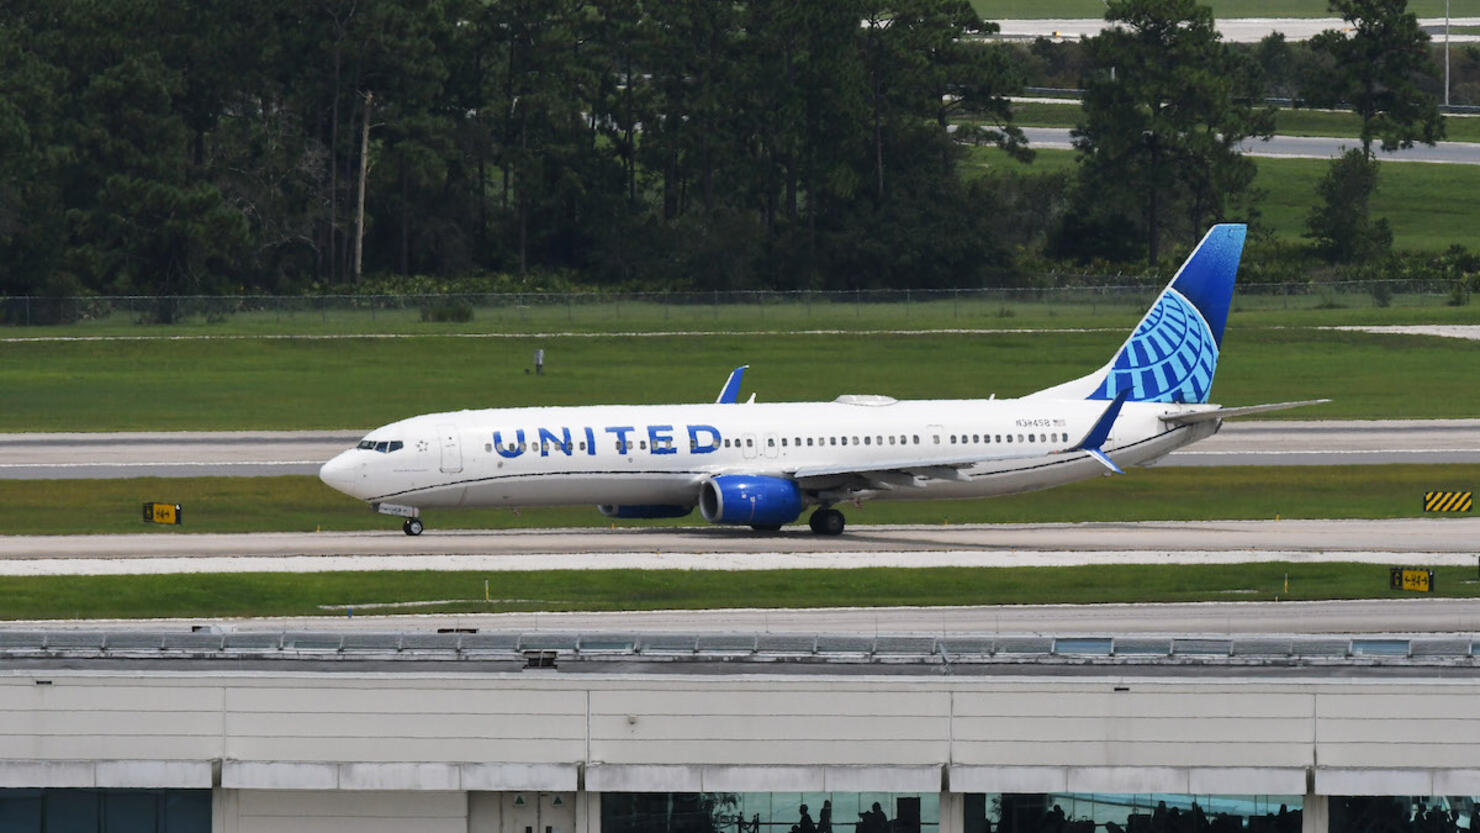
{"points": [[1406, 541], [265, 453]]}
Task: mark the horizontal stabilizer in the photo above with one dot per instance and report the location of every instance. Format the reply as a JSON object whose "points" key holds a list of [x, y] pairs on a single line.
{"points": [[1225, 413], [1104, 461]]}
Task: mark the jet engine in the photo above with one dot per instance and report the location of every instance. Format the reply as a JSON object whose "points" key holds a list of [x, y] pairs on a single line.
{"points": [[756, 500]]}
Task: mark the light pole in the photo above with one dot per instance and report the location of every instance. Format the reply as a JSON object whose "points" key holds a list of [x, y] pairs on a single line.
{"points": [[1446, 53]]}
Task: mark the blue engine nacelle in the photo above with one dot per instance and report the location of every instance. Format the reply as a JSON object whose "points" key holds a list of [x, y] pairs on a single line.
{"points": [[750, 499], [644, 510]]}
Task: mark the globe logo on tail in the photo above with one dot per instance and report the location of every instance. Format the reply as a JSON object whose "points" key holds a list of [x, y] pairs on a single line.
{"points": [[1170, 358]]}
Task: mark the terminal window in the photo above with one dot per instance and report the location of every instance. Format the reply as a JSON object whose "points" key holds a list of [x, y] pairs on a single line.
{"points": [[1127, 813], [770, 813], [113, 811]]}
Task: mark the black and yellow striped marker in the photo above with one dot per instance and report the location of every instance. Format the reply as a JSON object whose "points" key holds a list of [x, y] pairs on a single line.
{"points": [[1448, 501]]}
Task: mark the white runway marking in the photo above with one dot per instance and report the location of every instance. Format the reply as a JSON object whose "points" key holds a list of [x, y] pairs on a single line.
{"points": [[570, 334], [1465, 331], [701, 561]]}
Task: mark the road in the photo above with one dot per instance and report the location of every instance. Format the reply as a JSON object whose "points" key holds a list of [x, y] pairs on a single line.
{"points": [[1407, 541], [1299, 147], [1236, 30], [262, 453]]}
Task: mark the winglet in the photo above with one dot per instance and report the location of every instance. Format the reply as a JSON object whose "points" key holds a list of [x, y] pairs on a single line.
{"points": [[1101, 432], [731, 392]]}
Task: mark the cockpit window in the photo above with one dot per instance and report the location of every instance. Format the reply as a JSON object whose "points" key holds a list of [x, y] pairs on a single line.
{"points": [[383, 446]]}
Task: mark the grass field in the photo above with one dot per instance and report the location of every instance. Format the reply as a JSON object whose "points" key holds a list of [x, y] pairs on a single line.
{"points": [[1287, 122], [303, 504], [282, 594], [1425, 203], [1039, 9], [340, 383]]}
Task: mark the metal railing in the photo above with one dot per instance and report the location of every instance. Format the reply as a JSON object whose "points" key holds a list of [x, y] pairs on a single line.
{"points": [[547, 648]]}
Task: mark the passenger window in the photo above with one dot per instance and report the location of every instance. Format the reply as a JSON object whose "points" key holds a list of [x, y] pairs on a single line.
{"points": [[809, 442], [770, 442], [1009, 438], [1020, 437], [583, 445], [999, 438], [488, 447], [783, 442], [832, 440], [855, 441], [937, 439], [1032, 438], [866, 441], [976, 438], [879, 440], [749, 442], [891, 439]]}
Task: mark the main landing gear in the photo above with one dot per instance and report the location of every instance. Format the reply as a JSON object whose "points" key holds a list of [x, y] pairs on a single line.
{"points": [[827, 521], [412, 526]]}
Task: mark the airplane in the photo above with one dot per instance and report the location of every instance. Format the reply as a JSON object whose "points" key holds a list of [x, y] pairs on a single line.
{"points": [[762, 465]]}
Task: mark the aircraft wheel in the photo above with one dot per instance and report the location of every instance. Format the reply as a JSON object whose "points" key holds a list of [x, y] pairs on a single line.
{"points": [[412, 526], [827, 522]]}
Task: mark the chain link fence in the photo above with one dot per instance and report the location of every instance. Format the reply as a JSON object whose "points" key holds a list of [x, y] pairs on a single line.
{"points": [[537, 311]]}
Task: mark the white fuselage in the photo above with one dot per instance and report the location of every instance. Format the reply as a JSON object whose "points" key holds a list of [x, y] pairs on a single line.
{"points": [[660, 454]]}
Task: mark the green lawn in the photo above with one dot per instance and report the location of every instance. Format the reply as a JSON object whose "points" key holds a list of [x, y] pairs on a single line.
{"points": [[338, 383], [283, 594], [1426, 204], [1288, 122], [302, 504], [1038, 9]]}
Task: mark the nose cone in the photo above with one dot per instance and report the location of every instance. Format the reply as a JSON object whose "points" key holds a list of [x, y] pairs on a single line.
{"points": [[344, 473]]}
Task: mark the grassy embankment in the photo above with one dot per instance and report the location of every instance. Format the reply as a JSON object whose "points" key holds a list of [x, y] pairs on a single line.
{"points": [[302, 504], [338, 384], [281, 594], [1427, 204]]}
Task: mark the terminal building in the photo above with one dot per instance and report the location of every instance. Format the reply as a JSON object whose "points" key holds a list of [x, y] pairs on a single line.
{"points": [[664, 733]]}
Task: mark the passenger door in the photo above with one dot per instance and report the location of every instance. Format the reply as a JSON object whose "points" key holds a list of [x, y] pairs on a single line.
{"points": [[451, 449]]}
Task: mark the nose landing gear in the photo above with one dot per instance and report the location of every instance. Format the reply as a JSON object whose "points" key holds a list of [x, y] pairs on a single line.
{"points": [[412, 526], [827, 521]]}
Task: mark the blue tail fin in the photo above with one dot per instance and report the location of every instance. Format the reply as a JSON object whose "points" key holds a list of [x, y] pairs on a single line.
{"points": [[1172, 355]]}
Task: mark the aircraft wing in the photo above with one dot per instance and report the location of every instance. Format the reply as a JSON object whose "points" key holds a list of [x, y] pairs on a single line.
{"points": [[730, 393], [890, 474], [1225, 413]]}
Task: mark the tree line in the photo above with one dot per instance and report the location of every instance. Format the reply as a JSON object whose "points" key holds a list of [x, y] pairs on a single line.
{"points": [[204, 147], [177, 146]]}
